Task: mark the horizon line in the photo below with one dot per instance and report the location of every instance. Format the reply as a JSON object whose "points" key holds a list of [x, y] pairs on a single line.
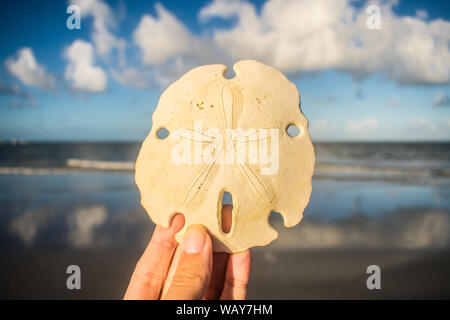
{"points": [[32, 141]]}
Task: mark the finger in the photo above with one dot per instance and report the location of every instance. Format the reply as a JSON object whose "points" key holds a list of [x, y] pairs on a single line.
{"points": [[237, 276], [220, 259], [150, 272], [215, 287], [193, 271], [227, 217]]}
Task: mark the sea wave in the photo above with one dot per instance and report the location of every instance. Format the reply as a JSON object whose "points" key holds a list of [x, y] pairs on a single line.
{"points": [[326, 169], [100, 165], [72, 166], [31, 171], [322, 170]]}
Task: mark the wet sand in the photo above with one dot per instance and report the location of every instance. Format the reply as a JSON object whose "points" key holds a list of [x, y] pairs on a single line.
{"points": [[285, 274], [94, 220], [341, 274]]}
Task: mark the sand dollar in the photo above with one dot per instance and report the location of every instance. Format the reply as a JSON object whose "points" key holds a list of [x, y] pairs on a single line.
{"points": [[212, 135]]}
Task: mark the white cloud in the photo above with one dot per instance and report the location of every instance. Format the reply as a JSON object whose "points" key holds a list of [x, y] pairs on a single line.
{"points": [[425, 128], [422, 124], [362, 126], [441, 100], [321, 129], [168, 48], [447, 122], [130, 77], [292, 35], [305, 35], [27, 70], [27, 99], [421, 14], [104, 21], [394, 102], [80, 69], [161, 38], [319, 126]]}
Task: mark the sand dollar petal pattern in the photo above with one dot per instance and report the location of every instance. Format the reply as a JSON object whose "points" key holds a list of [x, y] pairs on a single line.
{"points": [[228, 135]]}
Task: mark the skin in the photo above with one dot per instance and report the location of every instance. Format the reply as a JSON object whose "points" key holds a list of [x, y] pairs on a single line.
{"points": [[199, 273]]}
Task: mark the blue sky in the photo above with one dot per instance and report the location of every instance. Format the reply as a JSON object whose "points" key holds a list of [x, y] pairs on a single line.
{"points": [[355, 84]]}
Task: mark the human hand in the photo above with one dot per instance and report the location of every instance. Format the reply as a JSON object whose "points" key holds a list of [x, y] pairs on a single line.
{"points": [[198, 273]]}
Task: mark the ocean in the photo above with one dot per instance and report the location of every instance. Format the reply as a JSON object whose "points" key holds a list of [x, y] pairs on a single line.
{"points": [[372, 203], [382, 160]]}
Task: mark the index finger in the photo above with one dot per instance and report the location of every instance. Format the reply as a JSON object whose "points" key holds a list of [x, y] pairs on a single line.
{"points": [[220, 259], [237, 276], [151, 270]]}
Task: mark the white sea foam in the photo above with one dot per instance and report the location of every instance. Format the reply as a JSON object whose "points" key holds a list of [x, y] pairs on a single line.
{"points": [[322, 170], [100, 165], [72, 166], [366, 171], [31, 171]]}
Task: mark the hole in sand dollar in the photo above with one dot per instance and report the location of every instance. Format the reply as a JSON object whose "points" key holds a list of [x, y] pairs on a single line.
{"points": [[227, 198], [292, 130], [227, 212], [162, 133]]}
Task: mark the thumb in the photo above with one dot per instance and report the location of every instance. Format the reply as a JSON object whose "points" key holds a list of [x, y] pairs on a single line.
{"points": [[194, 268]]}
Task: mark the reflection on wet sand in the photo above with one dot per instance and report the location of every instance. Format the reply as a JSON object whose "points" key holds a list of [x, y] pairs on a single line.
{"points": [[83, 223], [28, 224], [94, 220], [317, 259], [402, 229]]}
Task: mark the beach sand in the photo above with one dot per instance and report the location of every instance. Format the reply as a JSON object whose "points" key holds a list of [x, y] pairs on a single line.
{"points": [[396, 217], [286, 274]]}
